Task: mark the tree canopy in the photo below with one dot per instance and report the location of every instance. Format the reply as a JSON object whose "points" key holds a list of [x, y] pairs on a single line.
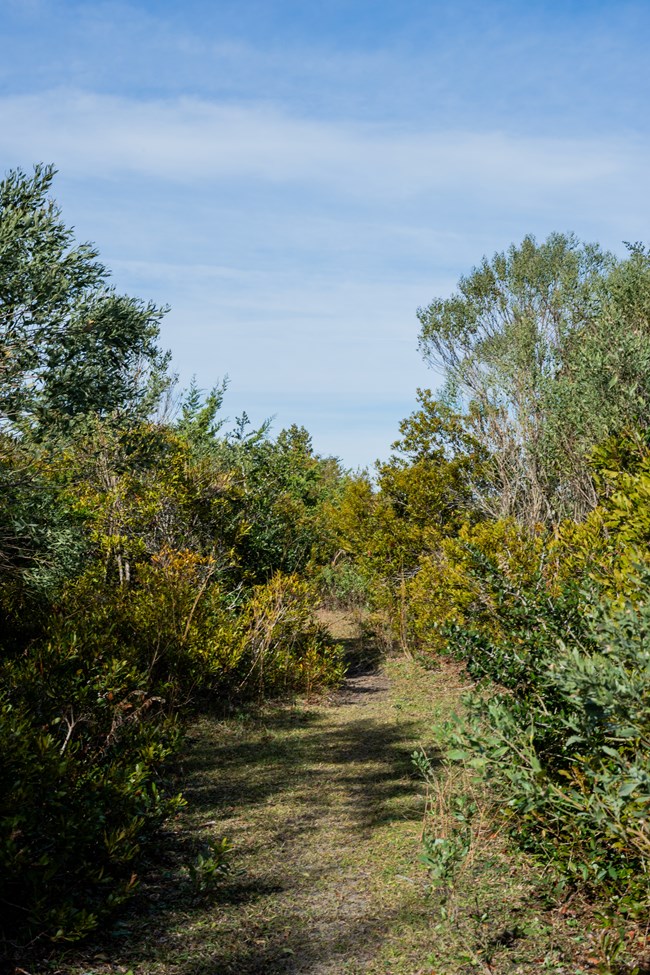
{"points": [[546, 346], [70, 346]]}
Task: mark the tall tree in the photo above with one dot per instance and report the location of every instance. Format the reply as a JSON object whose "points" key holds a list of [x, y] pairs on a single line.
{"points": [[546, 346], [69, 345]]}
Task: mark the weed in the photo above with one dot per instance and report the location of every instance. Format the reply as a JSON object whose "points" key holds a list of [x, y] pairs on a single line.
{"points": [[211, 866]]}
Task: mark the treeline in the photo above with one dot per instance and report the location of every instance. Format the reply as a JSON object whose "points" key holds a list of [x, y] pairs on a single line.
{"points": [[511, 527], [151, 556]]}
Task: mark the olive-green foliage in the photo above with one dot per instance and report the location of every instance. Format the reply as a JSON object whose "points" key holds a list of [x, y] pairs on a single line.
{"points": [[429, 483], [41, 542], [342, 585], [155, 619], [564, 731], [284, 648], [568, 746], [454, 583], [397, 532], [83, 740], [144, 565], [161, 612], [522, 546], [547, 346], [622, 467], [287, 488], [176, 624]]}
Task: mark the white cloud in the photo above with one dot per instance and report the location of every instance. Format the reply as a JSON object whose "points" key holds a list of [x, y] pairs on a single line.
{"points": [[188, 140]]}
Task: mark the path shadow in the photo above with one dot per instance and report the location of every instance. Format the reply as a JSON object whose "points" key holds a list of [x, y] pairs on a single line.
{"points": [[305, 761], [330, 948], [371, 759], [362, 654]]}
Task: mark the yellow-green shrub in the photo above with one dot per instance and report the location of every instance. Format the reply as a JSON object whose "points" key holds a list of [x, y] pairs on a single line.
{"points": [[283, 648], [453, 583]]}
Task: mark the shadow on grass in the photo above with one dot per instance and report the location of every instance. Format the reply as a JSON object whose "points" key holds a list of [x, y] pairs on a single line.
{"points": [[276, 942], [306, 767], [329, 947], [366, 759], [362, 654]]}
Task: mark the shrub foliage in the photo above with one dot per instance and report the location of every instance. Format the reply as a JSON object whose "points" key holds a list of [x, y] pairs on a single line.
{"points": [[145, 566], [510, 528]]}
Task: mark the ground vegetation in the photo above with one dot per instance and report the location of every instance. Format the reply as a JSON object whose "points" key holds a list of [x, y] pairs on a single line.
{"points": [[152, 560], [509, 529]]}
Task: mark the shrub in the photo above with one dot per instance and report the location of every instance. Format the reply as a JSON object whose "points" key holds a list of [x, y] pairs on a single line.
{"points": [[567, 747], [284, 648], [82, 743], [343, 585]]}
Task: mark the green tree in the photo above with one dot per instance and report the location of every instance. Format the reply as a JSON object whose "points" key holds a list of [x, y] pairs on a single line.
{"points": [[70, 346], [513, 341], [285, 487]]}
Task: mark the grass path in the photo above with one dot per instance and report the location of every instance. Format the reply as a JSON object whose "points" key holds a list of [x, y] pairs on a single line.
{"points": [[325, 812]]}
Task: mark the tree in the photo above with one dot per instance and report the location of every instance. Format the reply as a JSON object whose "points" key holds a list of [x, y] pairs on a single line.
{"points": [[69, 345], [546, 348]]}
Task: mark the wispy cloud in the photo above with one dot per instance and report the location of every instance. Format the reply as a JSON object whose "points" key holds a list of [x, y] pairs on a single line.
{"points": [[188, 140]]}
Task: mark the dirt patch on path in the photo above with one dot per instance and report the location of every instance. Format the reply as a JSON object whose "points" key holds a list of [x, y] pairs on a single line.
{"points": [[359, 691]]}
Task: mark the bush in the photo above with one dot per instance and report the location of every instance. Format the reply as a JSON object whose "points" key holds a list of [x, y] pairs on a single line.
{"points": [[87, 721], [82, 744], [342, 585], [479, 579], [283, 647], [567, 747], [130, 550]]}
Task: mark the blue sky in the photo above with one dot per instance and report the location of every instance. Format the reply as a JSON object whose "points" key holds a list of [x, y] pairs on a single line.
{"points": [[295, 178]]}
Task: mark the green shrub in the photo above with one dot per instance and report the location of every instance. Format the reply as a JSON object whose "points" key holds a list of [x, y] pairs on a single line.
{"points": [[567, 747], [139, 570], [343, 585], [87, 721], [283, 646], [82, 744]]}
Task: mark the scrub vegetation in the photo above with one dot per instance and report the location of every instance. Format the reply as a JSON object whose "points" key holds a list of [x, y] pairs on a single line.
{"points": [[260, 714]]}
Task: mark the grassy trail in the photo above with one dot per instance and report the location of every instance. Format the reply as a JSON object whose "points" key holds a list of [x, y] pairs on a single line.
{"points": [[326, 816], [325, 812]]}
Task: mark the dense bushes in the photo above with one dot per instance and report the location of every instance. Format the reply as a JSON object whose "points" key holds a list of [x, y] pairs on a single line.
{"points": [[567, 747], [92, 684], [144, 565], [511, 529], [88, 717], [83, 742]]}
